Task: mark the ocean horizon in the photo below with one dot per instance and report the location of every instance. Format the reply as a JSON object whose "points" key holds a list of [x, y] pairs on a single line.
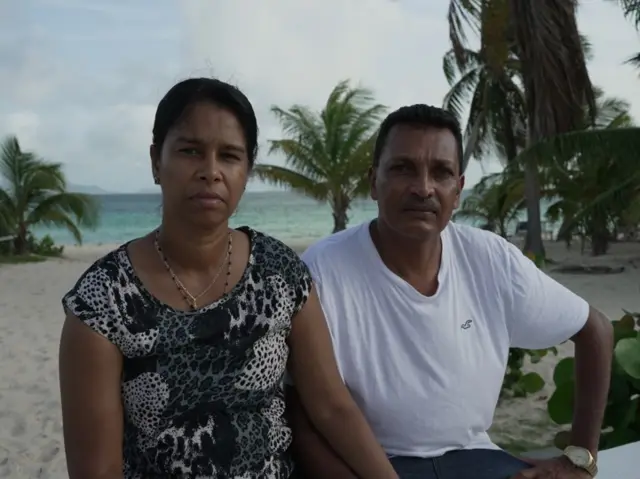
{"points": [[288, 216]]}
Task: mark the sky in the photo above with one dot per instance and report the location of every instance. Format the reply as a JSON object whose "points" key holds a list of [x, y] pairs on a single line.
{"points": [[81, 79]]}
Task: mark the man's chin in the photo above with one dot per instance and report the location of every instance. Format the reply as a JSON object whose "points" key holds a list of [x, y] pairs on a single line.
{"points": [[418, 229]]}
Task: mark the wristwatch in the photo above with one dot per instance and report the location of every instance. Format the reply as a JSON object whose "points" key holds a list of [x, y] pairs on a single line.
{"points": [[581, 458]]}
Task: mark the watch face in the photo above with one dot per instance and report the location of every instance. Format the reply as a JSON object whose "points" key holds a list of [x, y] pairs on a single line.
{"points": [[580, 457]]}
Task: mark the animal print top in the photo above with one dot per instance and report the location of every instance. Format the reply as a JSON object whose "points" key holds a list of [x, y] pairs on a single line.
{"points": [[203, 390]]}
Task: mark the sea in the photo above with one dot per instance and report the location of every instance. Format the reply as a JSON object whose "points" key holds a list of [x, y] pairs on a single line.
{"points": [[288, 216]]}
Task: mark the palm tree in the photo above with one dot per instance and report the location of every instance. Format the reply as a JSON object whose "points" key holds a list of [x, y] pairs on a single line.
{"points": [[496, 122], [495, 201], [587, 184], [552, 65], [35, 194], [631, 10], [591, 174], [556, 82], [328, 153]]}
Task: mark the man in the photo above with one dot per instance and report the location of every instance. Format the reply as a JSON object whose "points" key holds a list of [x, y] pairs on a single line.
{"points": [[423, 311]]}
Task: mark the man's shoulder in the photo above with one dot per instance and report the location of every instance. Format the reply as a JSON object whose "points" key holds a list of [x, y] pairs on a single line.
{"points": [[334, 248], [475, 240]]}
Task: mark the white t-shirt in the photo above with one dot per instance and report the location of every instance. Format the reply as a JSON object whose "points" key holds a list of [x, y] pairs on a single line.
{"points": [[427, 371]]}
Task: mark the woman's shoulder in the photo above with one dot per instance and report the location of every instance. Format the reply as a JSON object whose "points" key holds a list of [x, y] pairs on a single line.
{"points": [[95, 297], [273, 258], [270, 252], [106, 272]]}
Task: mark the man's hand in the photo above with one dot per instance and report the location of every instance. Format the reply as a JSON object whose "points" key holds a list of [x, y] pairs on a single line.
{"points": [[556, 468]]}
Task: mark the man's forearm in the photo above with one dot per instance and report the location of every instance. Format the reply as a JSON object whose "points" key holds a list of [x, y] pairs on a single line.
{"points": [[317, 460], [593, 356], [313, 454]]}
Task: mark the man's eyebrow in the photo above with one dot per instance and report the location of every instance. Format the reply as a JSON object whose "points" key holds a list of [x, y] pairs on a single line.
{"points": [[187, 139]]}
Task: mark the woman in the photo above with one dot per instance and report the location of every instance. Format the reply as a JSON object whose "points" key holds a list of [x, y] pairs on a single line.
{"points": [[174, 347]]}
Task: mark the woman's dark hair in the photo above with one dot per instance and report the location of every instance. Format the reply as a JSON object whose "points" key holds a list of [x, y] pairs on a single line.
{"points": [[195, 90]]}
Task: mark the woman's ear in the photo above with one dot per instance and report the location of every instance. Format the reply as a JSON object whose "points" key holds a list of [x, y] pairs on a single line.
{"points": [[154, 155]]}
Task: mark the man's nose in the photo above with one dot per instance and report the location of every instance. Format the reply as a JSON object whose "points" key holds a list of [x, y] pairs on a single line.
{"points": [[423, 184]]}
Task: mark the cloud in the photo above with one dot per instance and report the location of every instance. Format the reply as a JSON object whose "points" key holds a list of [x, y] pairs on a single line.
{"points": [[286, 52], [82, 79]]}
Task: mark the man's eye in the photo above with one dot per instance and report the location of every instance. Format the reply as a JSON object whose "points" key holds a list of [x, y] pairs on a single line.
{"points": [[189, 151]]}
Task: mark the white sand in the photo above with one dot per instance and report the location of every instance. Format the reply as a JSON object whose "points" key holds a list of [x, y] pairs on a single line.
{"points": [[31, 317]]}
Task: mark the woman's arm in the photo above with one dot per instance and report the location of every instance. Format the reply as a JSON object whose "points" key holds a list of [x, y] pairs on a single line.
{"points": [[312, 452], [326, 399], [90, 373]]}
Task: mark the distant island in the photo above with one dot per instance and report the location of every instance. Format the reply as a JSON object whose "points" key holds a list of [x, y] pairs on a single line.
{"points": [[87, 189]]}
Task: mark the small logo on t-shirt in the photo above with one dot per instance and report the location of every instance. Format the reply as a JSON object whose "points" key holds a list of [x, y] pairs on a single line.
{"points": [[466, 324]]}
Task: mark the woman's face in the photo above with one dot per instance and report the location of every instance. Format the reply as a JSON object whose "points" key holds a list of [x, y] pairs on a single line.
{"points": [[203, 166]]}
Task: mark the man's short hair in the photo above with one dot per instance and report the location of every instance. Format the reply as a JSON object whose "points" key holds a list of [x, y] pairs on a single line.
{"points": [[421, 115]]}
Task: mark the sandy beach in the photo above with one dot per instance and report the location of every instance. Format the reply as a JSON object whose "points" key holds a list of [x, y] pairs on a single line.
{"points": [[31, 318]]}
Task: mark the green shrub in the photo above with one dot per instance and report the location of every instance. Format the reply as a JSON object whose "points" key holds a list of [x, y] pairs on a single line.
{"points": [[518, 384], [43, 247], [622, 416]]}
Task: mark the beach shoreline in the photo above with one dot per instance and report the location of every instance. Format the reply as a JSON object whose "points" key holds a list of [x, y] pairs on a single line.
{"points": [[31, 318]]}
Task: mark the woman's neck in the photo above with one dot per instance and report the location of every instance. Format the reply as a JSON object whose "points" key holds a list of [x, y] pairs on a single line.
{"points": [[193, 250]]}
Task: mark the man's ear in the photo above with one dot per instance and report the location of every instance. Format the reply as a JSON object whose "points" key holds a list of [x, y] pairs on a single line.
{"points": [[456, 203], [372, 183]]}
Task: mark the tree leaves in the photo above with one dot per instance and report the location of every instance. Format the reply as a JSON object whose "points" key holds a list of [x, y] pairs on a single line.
{"points": [[36, 194], [328, 153]]}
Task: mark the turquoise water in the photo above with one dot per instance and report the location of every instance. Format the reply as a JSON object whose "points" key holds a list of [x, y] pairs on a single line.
{"points": [[287, 216]]}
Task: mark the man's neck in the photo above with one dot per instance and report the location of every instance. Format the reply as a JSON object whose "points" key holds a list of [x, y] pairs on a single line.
{"points": [[193, 250], [411, 259]]}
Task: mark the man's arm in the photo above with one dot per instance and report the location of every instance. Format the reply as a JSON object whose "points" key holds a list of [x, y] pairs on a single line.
{"points": [[593, 357], [542, 313], [312, 453]]}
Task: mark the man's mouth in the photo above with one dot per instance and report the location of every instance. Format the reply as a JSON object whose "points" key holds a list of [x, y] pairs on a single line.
{"points": [[422, 210]]}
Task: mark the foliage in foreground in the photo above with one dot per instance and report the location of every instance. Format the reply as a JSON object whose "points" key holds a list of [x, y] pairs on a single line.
{"points": [[35, 194], [518, 384], [328, 153], [622, 415]]}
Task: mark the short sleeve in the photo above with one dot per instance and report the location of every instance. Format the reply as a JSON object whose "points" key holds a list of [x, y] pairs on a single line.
{"points": [[91, 301], [282, 263], [299, 279], [541, 312], [302, 284]]}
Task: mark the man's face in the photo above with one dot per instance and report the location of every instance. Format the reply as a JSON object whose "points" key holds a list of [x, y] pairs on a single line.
{"points": [[417, 182]]}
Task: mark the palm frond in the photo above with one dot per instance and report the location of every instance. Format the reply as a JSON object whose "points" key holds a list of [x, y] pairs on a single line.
{"points": [[281, 176], [327, 153], [462, 14], [630, 9], [36, 194]]}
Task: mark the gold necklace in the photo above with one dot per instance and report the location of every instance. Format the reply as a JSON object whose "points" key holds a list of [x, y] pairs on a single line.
{"points": [[189, 298]]}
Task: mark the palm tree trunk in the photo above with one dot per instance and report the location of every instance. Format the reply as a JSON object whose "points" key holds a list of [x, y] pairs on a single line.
{"points": [[533, 241], [340, 220], [599, 234], [20, 241], [556, 82], [340, 205]]}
